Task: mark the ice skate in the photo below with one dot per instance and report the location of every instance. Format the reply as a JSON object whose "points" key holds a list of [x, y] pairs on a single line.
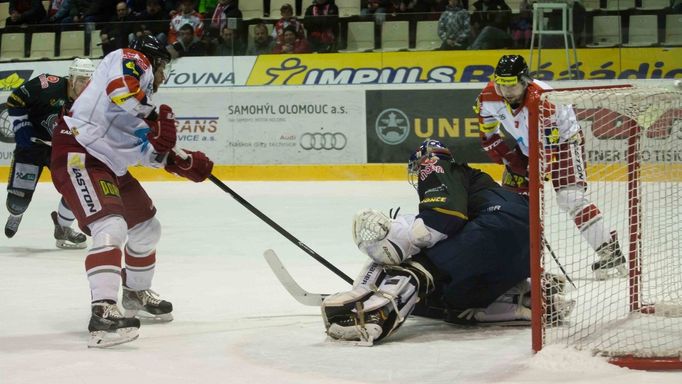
{"points": [[611, 260], [108, 327], [12, 225], [66, 237], [146, 305]]}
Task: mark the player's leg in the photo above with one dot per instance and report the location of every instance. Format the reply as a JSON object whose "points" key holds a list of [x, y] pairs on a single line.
{"points": [[99, 211], [27, 165], [570, 183], [65, 236], [140, 254]]}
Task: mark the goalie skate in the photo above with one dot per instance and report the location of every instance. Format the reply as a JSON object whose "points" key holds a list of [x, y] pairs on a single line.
{"points": [[611, 260], [108, 327], [66, 237], [146, 305]]}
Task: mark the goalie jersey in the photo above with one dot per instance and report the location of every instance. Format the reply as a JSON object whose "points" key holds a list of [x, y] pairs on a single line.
{"points": [[450, 194], [40, 101]]}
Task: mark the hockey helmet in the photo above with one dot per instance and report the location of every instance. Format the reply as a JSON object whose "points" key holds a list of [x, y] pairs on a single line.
{"points": [[510, 70], [81, 68], [429, 149], [153, 49]]}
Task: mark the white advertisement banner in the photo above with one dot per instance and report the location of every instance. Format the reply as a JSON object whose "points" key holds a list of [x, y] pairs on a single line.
{"points": [[219, 71], [266, 126]]}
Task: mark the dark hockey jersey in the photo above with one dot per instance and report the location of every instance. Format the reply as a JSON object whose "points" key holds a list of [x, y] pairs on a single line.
{"points": [[43, 99], [450, 194]]}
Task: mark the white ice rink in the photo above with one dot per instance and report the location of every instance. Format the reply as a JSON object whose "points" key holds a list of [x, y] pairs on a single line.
{"points": [[234, 323]]}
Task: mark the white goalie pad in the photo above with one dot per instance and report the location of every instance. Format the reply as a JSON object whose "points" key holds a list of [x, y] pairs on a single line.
{"points": [[368, 313]]}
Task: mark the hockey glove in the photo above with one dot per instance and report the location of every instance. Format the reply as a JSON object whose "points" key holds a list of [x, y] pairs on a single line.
{"points": [[23, 131], [162, 134], [197, 167], [494, 147]]}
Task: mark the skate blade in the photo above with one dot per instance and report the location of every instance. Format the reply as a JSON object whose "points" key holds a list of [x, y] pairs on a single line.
{"points": [[148, 318], [104, 339], [63, 244]]}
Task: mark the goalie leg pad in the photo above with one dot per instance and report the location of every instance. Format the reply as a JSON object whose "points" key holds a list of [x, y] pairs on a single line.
{"points": [[368, 313]]}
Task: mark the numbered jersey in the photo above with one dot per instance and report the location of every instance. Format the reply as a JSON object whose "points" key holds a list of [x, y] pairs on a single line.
{"points": [[107, 118], [450, 194], [494, 111], [41, 100]]}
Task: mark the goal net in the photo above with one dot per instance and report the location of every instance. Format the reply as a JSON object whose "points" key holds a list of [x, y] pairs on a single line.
{"points": [[633, 160]]}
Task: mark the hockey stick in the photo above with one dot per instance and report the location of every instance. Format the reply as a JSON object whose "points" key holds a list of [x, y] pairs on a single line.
{"points": [[270, 222], [556, 259], [279, 229], [301, 295]]}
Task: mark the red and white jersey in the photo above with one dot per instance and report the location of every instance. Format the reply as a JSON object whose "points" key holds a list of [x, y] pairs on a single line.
{"points": [[193, 19], [107, 118], [493, 110]]}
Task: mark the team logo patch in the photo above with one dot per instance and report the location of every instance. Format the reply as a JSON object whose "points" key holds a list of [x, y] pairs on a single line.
{"points": [[82, 184], [109, 188], [25, 176]]}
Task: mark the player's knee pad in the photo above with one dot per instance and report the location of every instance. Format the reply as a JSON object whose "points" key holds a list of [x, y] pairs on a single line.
{"points": [[143, 237], [18, 200], [110, 231], [572, 199], [378, 304]]}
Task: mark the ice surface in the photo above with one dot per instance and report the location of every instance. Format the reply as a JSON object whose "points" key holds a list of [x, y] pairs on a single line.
{"points": [[234, 323]]}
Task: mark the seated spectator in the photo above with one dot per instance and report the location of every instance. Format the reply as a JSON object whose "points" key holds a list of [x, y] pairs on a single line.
{"points": [[186, 15], [228, 43], [521, 28], [224, 10], [414, 6], [489, 23], [262, 42], [77, 9], [119, 32], [24, 12], [100, 11], [53, 8], [454, 29], [152, 21], [136, 6], [321, 22], [291, 43], [187, 44], [288, 18], [377, 8]]}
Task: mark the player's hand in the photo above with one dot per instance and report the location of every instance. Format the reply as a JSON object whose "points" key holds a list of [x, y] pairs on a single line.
{"points": [[23, 132], [517, 161], [162, 134], [197, 167]]}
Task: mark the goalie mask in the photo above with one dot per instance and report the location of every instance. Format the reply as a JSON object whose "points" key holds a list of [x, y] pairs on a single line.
{"points": [[428, 150]]}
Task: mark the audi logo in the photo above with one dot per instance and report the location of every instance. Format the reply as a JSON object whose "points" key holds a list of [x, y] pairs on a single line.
{"points": [[318, 141]]}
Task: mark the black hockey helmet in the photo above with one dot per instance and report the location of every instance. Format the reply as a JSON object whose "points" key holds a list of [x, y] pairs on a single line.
{"points": [[428, 149], [151, 47], [511, 69]]}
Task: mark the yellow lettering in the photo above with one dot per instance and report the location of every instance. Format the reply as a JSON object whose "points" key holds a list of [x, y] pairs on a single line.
{"points": [[445, 129]]}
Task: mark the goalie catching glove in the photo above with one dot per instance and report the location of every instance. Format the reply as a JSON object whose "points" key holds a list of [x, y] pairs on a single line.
{"points": [[378, 304], [196, 167], [390, 242]]}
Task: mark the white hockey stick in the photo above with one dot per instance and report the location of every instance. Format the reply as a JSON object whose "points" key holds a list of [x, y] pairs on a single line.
{"points": [[301, 295]]}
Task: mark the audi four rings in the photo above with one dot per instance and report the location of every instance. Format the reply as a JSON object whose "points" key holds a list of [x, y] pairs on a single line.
{"points": [[323, 141]]}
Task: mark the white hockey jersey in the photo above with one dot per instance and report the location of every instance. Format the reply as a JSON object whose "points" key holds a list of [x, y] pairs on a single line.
{"points": [[107, 118], [493, 110]]}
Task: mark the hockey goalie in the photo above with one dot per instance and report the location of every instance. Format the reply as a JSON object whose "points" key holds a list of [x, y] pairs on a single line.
{"points": [[463, 258]]}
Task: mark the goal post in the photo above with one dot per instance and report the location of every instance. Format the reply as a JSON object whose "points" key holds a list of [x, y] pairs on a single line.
{"points": [[633, 159]]}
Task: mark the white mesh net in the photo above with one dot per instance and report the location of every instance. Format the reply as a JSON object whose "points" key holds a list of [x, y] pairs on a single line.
{"points": [[633, 157]]}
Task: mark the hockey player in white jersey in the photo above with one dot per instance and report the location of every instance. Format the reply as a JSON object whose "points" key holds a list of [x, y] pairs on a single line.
{"points": [[502, 103], [114, 125], [463, 258]]}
